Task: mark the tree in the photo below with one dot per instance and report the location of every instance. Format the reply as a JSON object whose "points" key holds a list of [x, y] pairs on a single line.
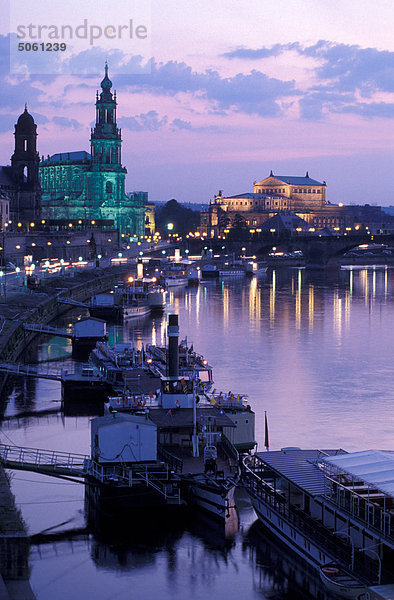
{"points": [[183, 219], [239, 230]]}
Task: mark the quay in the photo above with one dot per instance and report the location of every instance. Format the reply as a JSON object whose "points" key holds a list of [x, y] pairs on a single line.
{"points": [[43, 306], [35, 307]]}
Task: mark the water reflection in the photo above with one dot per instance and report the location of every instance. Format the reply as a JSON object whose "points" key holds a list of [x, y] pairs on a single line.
{"points": [[313, 349], [277, 572]]}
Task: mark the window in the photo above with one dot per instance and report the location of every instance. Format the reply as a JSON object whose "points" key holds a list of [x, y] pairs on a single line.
{"points": [[108, 187]]}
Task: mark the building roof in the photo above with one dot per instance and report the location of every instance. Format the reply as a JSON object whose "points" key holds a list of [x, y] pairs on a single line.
{"points": [[248, 196], [6, 175], [298, 466], [285, 220], [119, 417], [25, 123], [183, 417], [375, 467], [293, 180], [79, 155]]}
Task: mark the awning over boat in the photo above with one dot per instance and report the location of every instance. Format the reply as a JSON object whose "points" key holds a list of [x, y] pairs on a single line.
{"points": [[183, 417], [299, 467], [374, 467]]}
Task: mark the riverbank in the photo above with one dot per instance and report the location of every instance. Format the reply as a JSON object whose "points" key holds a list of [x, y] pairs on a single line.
{"points": [[41, 306]]}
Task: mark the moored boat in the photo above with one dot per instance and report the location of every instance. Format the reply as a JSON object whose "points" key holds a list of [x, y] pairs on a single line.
{"points": [[329, 506], [199, 434], [135, 309], [340, 581], [209, 271], [171, 281]]}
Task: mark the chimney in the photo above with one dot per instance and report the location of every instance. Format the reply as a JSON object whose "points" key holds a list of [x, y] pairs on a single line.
{"points": [[173, 348]]}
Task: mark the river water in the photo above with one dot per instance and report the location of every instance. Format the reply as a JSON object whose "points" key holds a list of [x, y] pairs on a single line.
{"points": [[313, 350]]}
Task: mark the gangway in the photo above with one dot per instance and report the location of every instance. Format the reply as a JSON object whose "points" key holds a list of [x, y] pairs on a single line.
{"points": [[72, 302], [42, 328], [81, 466], [28, 370]]}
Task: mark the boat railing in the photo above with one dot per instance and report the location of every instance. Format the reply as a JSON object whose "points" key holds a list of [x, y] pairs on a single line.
{"points": [[338, 547], [231, 452], [362, 507], [170, 459], [307, 525], [161, 479]]}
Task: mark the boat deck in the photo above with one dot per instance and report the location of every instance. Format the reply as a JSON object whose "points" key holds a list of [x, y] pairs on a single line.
{"points": [[195, 465]]}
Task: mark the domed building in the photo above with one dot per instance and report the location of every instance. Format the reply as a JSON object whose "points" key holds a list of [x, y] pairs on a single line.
{"points": [[20, 183]]}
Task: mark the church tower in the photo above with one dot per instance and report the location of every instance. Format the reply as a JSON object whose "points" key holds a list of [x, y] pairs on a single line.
{"points": [[26, 201], [105, 143]]}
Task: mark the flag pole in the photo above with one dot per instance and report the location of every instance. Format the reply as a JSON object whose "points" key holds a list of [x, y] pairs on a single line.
{"points": [[266, 437]]}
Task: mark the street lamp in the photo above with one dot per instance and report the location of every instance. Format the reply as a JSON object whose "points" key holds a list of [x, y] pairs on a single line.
{"points": [[3, 285], [351, 541], [379, 559]]}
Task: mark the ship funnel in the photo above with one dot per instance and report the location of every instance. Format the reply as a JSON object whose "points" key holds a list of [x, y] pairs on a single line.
{"points": [[173, 348]]}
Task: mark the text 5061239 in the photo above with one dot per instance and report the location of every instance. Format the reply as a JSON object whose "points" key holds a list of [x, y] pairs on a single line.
{"points": [[42, 47]]}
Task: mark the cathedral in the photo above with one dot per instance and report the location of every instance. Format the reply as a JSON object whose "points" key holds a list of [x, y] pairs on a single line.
{"points": [[79, 185]]}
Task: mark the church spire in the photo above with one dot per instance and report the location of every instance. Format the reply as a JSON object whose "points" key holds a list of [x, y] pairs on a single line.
{"points": [[106, 85]]}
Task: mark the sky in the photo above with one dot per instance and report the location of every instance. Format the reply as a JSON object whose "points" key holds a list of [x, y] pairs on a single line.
{"points": [[214, 94]]}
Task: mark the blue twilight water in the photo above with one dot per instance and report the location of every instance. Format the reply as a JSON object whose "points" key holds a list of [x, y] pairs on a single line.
{"points": [[314, 351]]}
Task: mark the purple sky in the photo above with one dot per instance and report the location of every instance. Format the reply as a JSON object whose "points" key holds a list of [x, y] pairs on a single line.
{"points": [[234, 90]]}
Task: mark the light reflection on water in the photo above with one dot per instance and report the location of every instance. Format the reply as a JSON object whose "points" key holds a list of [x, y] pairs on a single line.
{"points": [[314, 351]]}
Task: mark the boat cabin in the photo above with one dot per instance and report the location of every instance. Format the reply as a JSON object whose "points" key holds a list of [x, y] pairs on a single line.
{"points": [[123, 438]]}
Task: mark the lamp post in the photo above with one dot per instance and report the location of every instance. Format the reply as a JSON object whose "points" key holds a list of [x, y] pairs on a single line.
{"points": [[379, 560], [351, 541], [3, 288]]}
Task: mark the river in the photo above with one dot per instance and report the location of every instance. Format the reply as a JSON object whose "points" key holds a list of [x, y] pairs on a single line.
{"points": [[313, 350]]}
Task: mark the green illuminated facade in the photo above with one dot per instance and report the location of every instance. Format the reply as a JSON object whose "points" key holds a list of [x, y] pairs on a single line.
{"points": [[79, 185]]}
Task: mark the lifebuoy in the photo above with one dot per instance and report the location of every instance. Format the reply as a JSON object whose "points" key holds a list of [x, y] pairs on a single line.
{"points": [[141, 401], [330, 570]]}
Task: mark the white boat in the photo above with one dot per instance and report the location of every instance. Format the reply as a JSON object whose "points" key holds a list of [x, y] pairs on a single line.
{"points": [[232, 272], [135, 310], [157, 298], [206, 497], [333, 508], [341, 582], [172, 281]]}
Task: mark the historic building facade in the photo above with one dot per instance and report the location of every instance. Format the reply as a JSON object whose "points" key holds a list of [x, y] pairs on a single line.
{"points": [[79, 185], [19, 183], [303, 196]]}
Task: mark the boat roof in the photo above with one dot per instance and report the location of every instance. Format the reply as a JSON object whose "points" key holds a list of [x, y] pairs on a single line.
{"points": [[299, 467], [183, 417], [375, 467]]}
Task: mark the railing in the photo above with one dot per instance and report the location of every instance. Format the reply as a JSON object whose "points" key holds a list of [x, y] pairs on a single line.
{"points": [[173, 461], [252, 478], [307, 526], [18, 456], [361, 508], [42, 328], [230, 451], [80, 465], [24, 370]]}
